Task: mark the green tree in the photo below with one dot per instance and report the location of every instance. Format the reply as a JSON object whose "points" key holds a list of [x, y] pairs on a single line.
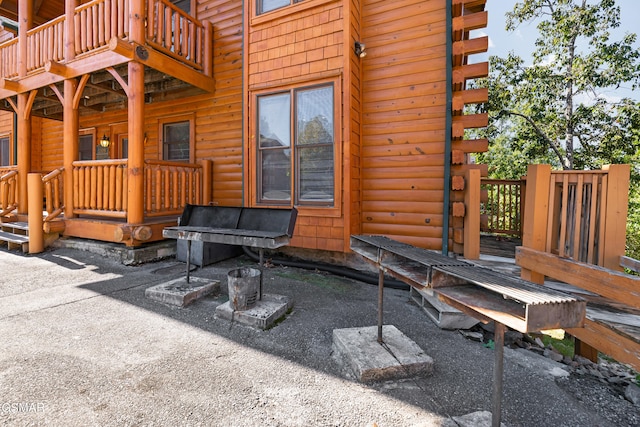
{"points": [[553, 111]]}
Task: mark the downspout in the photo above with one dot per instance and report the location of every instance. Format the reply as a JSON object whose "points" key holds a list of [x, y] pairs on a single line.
{"points": [[447, 131]]}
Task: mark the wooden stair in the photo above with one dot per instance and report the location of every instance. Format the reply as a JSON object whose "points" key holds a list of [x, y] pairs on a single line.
{"points": [[16, 234]]}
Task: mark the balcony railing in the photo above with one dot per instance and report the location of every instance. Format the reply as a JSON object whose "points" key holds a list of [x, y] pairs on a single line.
{"points": [[169, 186], [96, 23], [100, 188], [8, 189]]}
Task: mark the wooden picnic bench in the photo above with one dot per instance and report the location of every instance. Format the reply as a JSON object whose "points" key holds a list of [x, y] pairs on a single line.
{"points": [[475, 290]]}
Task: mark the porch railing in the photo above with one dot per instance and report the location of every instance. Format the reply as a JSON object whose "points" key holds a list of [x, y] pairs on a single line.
{"points": [[53, 194], [100, 188], [503, 209], [8, 189], [169, 186]]}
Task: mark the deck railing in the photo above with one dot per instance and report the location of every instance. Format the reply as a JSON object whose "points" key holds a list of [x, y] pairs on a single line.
{"points": [[169, 186], [99, 21], [9, 59], [8, 189], [45, 43], [100, 188], [502, 211], [95, 23], [176, 33], [578, 214]]}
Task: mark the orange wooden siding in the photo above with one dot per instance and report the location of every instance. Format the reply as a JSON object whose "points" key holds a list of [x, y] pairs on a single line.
{"points": [[403, 113]]}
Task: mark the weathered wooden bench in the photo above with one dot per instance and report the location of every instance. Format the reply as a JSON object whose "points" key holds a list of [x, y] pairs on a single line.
{"points": [[261, 228], [478, 291]]}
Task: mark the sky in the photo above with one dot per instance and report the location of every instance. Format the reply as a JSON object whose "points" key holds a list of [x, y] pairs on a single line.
{"points": [[522, 40]]}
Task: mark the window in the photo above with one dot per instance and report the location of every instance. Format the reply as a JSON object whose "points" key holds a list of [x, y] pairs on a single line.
{"points": [[265, 6], [184, 5], [177, 137], [5, 151], [299, 156], [85, 147]]}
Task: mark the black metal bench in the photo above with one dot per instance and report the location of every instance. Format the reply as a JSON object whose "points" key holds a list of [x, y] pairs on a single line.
{"points": [[262, 228], [478, 291]]}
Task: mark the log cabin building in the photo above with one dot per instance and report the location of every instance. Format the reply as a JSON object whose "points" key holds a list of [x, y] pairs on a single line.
{"points": [[353, 111]]}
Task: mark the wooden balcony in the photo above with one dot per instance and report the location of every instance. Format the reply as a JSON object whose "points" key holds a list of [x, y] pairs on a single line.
{"points": [[176, 50]]}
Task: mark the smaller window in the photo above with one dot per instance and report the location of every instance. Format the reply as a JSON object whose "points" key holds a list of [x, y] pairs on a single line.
{"points": [[85, 147], [184, 5], [176, 140], [5, 151], [265, 6]]}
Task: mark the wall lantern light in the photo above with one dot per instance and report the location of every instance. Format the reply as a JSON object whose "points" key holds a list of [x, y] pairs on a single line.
{"points": [[104, 141], [359, 48]]}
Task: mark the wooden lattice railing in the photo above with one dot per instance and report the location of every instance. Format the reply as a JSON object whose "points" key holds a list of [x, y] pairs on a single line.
{"points": [[503, 209], [45, 43], [97, 22], [9, 59]]}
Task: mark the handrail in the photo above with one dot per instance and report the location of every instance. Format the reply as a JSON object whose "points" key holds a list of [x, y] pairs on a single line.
{"points": [[53, 194], [176, 33], [8, 191], [169, 186]]}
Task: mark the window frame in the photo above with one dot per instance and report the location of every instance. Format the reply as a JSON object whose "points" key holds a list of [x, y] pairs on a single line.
{"points": [[255, 175], [259, 18], [9, 160], [94, 142], [167, 120]]}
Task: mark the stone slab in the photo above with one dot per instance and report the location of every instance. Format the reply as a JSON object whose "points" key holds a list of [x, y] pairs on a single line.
{"points": [[263, 315], [443, 315], [398, 357], [179, 292]]}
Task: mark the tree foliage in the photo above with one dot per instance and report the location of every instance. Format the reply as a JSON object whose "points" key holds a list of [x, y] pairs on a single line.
{"points": [[553, 110]]}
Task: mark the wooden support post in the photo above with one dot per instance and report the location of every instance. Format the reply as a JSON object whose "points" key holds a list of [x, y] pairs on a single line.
{"points": [[24, 150], [534, 229], [472, 215], [135, 195], [615, 232], [70, 142], [36, 234]]}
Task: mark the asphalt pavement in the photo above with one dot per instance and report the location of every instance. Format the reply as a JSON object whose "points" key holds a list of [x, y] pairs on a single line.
{"points": [[82, 346]]}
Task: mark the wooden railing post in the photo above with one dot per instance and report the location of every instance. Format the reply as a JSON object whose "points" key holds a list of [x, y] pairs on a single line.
{"points": [[472, 215], [36, 235], [534, 228], [207, 182], [615, 231]]}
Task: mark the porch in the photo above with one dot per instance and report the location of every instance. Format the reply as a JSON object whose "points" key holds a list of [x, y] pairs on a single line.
{"points": [[99, 57]]}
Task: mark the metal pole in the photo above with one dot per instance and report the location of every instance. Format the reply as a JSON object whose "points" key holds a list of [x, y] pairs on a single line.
{"points": [[497, 374], [380, 299], [188, 259], [261, 252]]}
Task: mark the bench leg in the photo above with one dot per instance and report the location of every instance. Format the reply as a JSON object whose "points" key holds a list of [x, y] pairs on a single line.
{"points": [[380, 300], [188, 259], [497, 374]]}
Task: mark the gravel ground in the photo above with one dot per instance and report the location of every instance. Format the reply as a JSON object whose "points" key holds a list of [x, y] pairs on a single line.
{"points": [[83, 346]]}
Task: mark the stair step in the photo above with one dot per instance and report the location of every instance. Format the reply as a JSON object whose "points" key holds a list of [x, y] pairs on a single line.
{"points": [[16, 225], [13, 238]]}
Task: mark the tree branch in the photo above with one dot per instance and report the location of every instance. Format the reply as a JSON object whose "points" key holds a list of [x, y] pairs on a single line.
{"points": [[552, 144]]}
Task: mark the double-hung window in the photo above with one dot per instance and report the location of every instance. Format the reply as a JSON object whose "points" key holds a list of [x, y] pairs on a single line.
{"points": [[177, 136], [296, 144], [5, 151]]}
